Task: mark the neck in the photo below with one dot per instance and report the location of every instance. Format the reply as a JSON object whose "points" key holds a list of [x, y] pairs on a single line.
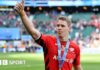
{"points": [[63, 38]]}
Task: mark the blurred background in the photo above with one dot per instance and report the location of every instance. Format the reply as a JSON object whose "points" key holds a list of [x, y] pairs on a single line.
{"points": [[18, 51]]}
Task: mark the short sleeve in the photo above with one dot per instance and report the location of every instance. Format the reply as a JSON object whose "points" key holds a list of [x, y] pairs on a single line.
{"points": [[77, 59], [42, 40]]}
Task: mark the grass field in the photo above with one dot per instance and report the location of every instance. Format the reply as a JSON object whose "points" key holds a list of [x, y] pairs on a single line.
{"points": [[35, 61]]}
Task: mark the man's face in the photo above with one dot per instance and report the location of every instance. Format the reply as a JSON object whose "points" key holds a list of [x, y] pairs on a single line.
{"points": [[62, 28]]}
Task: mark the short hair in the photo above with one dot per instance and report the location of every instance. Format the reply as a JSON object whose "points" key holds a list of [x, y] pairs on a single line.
{"points": [[65, 19]]}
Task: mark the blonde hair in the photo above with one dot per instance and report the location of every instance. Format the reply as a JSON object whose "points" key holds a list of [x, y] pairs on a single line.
{"points": [[64, 18]]}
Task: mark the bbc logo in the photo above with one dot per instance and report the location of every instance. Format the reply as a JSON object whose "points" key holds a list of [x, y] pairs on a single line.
{"points": [[3, 62], [0, 62]]}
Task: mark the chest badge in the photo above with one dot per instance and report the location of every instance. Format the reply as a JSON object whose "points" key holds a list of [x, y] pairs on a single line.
{"points": [[71, 49]]}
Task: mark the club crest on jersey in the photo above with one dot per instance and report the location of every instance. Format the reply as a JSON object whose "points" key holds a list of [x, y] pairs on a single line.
{"points": [[71, 49]]}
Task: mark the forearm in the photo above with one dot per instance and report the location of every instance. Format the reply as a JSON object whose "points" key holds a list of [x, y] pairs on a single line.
{"points": [[29, 25]]}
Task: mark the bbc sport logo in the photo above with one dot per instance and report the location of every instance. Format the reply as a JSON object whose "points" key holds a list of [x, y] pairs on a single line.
{"points": [[3, 62], [12, 62]]}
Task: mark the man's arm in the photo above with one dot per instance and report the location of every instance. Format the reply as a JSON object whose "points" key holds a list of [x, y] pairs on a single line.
{"points": [[78, 67], [27, 23]]}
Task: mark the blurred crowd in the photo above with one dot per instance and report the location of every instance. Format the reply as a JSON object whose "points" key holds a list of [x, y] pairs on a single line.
{"points": [[84, 32]]}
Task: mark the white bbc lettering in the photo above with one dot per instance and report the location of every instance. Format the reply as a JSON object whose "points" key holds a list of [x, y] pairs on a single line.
{"points": [[16, 62], [0, 62], [4, 62], [12, 62]]}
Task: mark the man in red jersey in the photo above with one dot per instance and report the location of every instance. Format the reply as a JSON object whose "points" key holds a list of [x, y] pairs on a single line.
{"points": [[60, 53]]}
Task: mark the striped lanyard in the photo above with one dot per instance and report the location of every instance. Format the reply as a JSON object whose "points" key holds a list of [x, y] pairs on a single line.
{"points": [[62, 59]]}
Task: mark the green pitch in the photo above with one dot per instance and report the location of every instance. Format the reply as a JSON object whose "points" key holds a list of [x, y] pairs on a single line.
{"points": [[31, 61]]}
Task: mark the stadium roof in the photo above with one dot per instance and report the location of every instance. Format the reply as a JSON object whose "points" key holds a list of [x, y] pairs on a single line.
{"points": [[52, 2]]}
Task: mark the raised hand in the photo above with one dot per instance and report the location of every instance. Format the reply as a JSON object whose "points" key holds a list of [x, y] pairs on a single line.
{"points": [[19, 7]]}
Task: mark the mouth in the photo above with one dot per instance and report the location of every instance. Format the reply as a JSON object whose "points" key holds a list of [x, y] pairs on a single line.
{"points": [[59, 32]]}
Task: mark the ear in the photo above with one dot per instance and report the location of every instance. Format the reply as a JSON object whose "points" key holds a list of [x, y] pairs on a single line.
{"points": [[55, 29], [69, 28]]}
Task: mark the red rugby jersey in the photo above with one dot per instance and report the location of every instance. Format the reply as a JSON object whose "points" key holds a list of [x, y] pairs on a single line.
{"points": [[50, 49]]}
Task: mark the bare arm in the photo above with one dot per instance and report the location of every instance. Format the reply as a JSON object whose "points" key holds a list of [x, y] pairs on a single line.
{"points": [[27, 23], [78, 67]]}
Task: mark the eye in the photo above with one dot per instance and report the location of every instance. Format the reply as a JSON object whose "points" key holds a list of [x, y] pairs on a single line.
{"points": [[58, 25], [62, 25]]}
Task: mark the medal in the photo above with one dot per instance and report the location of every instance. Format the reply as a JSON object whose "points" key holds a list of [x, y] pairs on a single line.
{"points": [[62, 59], [60, 63]]}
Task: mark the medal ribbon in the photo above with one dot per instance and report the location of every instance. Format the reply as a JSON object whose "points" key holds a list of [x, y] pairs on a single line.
{"points": [[63, 58]]}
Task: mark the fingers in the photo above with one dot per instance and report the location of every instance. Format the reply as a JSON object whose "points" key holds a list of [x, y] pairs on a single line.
{"points": [[19, 7], [22, 2]]}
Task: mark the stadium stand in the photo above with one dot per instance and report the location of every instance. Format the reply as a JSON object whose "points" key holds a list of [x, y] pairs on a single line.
{"points": [[81, 30], [85, 28]]}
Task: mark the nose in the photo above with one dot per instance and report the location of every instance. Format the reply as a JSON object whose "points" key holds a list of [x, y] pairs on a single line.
{"points": [[59, 27]]}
